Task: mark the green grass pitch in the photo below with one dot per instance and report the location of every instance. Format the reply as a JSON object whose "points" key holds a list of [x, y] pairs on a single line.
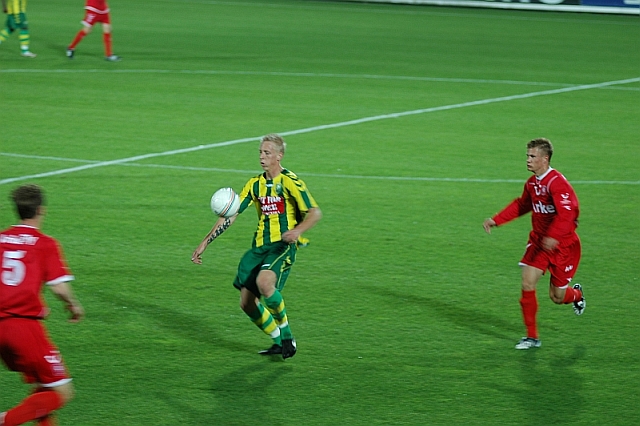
{"points": [[405, 311]]}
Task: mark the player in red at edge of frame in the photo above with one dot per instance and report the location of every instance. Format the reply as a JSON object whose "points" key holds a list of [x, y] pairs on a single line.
{"points": [[95, 11], [31, 259], [553, 243]]}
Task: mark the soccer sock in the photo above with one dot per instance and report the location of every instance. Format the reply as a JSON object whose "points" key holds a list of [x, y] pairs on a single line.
{"points": [[33, 407], [24, 40], [78, 38], [265, 322], [4, 34], [275, 304], [529, 304], [106, 37], [571, 295]]}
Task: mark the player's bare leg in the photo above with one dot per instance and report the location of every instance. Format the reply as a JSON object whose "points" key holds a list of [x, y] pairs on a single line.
{"points": [[557, 294]]}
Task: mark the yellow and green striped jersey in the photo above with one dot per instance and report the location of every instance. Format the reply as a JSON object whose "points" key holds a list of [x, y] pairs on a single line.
{"points": [[280, 203], [15, 7]]}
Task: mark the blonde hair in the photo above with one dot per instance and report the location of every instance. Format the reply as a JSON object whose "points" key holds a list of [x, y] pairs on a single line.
{"points": [[543, 144], [276, 139]]}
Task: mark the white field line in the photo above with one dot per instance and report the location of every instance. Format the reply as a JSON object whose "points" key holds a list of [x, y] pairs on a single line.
{"points": [[323, 175], [306, 74], [322, 127]]}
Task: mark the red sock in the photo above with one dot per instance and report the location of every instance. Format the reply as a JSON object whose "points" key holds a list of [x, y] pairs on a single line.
{"points": [[33, 407], [77, 40], [529, 304], [106, 37], [571, 295]]}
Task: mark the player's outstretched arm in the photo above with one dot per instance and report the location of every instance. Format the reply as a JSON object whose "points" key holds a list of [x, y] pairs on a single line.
{"points": [[63, 292], [221, 225]]}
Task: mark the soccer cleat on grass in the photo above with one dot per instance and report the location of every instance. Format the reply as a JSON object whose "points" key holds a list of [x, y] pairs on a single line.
{"points": [[28, 54], [578, 307], [70, 53], [273, 350], [288, 348], [528, 343], [112, 58]]}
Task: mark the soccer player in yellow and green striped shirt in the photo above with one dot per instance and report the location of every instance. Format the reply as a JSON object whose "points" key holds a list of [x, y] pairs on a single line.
{"points": [[16, 11], [285, 211]]}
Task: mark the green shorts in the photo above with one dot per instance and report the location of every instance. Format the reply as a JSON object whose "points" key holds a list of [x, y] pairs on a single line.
{"points": [[17, 22], [277, 257]]}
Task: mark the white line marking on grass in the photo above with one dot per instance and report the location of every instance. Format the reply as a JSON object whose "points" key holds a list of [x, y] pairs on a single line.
{"points": [[307, 74], [461, 105], [43, 157], [127, 160], [473, 180], [326, 175], [323, 127]]}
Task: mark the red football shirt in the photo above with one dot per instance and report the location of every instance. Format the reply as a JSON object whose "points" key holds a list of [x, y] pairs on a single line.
{"points": [[29, 259], [553, 205], [97, 6]]}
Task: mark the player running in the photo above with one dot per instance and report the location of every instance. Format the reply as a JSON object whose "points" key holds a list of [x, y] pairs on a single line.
{"points": [[95, 11], [285, 210], [553, 243], [31, 259], [16, 11]]}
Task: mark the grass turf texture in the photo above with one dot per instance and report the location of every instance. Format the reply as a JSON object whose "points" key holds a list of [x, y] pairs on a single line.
{"points": [[405, 312]]}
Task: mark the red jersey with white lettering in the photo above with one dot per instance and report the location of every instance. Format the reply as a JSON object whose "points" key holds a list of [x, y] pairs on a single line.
{"points": [[553, 205], [29, 259], [97, 6]]}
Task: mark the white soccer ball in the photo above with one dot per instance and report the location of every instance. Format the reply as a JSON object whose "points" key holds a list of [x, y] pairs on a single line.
{"points": [[225, 202]]}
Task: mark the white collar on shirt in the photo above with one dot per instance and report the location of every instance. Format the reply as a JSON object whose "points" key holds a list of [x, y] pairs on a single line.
{"points": [[544, 174]]}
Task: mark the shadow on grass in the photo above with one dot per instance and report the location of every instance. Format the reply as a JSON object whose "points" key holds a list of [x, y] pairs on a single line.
{"points": [[181, 324], [249, 394], [456, 313], [246, 393], [550, 389]]}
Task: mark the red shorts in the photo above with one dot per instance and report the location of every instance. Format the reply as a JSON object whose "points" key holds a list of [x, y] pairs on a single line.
{"points": [[26, 348], [562, 262], [91, 18]]}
